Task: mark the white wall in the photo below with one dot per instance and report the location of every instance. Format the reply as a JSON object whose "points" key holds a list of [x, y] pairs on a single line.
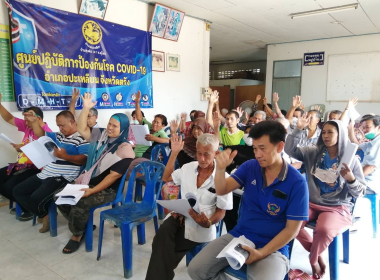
{"points": [[233, 83], [173, 92], [314, 78]]}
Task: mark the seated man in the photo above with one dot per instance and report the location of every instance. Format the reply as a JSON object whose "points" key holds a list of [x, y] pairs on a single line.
{"points": [[371, 161], [35, 193], [17, 172], [335, 115], [274, 204], [178, 234]]}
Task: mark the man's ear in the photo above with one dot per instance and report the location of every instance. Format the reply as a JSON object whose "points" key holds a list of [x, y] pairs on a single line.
{"points": [[280, 147]]}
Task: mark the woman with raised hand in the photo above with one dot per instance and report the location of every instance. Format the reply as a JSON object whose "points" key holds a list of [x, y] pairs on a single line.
{"points": [[331, 191], [109, 158]]}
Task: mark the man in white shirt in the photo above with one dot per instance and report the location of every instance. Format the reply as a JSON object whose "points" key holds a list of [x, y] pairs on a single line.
{"points": [[179, 234]]}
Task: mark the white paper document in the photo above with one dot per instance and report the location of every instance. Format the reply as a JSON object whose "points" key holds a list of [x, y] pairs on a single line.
{"points": [[71, 194], [6, 139], [348, 155], [41, 151], [139, 131], [234, 253], [180, 206]]}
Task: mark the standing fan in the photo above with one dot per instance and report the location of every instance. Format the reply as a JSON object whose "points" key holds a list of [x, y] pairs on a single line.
{"points": [[247, 106]]}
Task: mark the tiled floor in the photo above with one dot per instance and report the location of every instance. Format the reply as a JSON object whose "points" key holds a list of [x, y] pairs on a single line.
{"points": [[26, 254]]}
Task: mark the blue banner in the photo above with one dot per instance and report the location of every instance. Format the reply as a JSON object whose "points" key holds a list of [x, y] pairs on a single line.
{"points": [[55, 51]]}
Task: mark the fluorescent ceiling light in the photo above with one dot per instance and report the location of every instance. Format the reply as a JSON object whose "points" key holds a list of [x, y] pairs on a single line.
{"points": [[325, 11]]}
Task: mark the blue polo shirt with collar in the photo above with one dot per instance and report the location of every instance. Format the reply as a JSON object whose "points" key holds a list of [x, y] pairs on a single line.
{"points": [[265, 209]]}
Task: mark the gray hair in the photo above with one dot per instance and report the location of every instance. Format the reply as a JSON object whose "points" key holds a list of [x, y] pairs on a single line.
{"points": [[284, 121], [262, 113], [224, 110], [209, 139], [94, 112]]}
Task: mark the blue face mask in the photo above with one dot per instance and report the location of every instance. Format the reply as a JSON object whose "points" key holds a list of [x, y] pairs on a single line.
{"points": [[135, 122], [370, 135]]}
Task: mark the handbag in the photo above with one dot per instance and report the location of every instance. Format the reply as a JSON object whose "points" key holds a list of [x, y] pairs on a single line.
{"points": [[169, 191]]}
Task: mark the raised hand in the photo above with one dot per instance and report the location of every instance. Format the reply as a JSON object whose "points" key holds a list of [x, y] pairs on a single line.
{"points": [[75, 94], [87, 101], [214, 96], [275, 97], [346, 173], [216, 120], [173, 126], [138, 97], [225, 158], [352, 103], [296, 101], [176, 143], [303, 121], [302, 107], [183, 116], [240, 111], [317, 108], [30, 116], [258, 97]]}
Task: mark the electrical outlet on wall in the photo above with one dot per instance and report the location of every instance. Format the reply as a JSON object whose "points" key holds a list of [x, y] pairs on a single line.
{"points": [[205, 94]]}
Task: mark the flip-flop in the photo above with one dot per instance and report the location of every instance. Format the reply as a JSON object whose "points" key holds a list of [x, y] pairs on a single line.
{"points": [[73, 245]]}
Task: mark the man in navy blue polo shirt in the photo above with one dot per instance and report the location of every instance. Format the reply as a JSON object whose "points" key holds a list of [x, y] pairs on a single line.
{"points": [[274, 204]]}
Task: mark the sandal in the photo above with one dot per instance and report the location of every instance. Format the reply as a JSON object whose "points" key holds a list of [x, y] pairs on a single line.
{"points": [[72, 246]]}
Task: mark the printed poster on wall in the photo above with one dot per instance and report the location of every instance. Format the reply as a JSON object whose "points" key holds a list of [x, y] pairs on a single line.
{"points": [[6, 82], [316, 58], [55, 51]]}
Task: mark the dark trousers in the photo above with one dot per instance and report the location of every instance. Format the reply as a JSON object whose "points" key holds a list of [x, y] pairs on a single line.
{"points": [[8, 182], [34, 194], [168, 248], [231, 216], [78, 214]]}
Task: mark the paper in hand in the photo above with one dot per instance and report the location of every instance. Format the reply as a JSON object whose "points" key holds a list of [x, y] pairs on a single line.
{"points": [[6, 139]]}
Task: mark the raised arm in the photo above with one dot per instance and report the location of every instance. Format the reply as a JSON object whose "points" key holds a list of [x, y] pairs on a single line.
{"points": [[138, 113], [291, 143], [34, 120], [295, 104], [350, 104], [82, 127], [176, 146], [214, 97], [182, 124], [275, 100], [267, 109], [216, 124], [8, 117], [224, 185], [74, 98], [351, 133]]}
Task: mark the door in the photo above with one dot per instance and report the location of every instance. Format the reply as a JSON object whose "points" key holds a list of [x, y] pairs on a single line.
{"points": [[244, 93], [224, 97], [286, 89]]}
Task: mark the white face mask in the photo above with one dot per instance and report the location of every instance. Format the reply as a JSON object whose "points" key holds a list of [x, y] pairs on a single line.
{"points": [[295, 120], [135, 122], [247, 140]]}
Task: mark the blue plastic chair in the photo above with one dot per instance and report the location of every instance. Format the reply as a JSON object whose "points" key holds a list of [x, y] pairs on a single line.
{"points": [[375, 202], [89, 226], [131, 214]]}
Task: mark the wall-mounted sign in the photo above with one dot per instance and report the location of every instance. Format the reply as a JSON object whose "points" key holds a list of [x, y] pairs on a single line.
{"points": [[316, 58]]}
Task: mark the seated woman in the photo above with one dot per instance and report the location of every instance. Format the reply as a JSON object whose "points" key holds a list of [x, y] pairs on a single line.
{"points": [[330, 203], [108, 159], [189, 151], [157, 135]]}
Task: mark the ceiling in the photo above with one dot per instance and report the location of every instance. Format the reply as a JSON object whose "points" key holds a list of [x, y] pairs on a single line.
{"points": [[241, 29]]}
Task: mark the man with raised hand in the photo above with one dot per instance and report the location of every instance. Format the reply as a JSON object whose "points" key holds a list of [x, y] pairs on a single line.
{"points": [[274, 204]]}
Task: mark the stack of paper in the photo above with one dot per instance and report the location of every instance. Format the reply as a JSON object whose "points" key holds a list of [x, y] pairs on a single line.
{"points": [[71, 194]]}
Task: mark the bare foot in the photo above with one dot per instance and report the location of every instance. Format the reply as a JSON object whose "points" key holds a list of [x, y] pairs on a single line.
{"points": [[322, 264], [317, 271]]}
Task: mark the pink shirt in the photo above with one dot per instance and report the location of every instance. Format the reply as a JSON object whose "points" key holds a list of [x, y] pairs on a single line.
{"points": [[29, 136]]}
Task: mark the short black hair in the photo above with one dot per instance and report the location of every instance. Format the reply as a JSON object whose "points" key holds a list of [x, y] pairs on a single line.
{"points": [[317, 113], [36, 110], [275, 130], [375, 119], [134, 112], [234, 113], [193, 111], [164, 120], [284, 112], [300, 110], [269, 105], [67, 114], [336, 112], [332, 123], [251, 115]]}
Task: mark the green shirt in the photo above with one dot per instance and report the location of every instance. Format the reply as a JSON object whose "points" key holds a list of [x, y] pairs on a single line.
{"points": [[231, 139], [141, 149]]}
